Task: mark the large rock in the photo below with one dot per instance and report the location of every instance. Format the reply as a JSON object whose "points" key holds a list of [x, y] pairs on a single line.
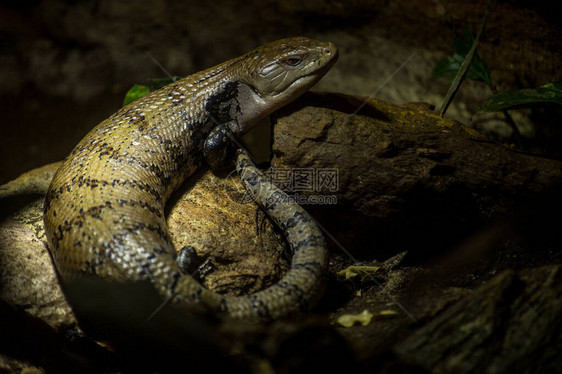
{"points": [[407, 180]]}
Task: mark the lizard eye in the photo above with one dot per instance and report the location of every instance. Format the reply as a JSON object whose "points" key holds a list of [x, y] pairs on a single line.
{"points": [[293, 60]]}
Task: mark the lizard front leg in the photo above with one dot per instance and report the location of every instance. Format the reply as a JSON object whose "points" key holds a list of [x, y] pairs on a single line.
{"points": [[219, 147]]}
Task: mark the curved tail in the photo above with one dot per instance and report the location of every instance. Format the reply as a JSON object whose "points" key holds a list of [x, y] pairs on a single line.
{"points": [[303, 284]]}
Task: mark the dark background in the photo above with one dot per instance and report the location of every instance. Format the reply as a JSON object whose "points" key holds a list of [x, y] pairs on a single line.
{"points": [[66, 65]]}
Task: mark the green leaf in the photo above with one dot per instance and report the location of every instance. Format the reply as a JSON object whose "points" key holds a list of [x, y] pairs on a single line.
{"points": [[135, 92], [363, 318], [156, 83], [354, 270], [139, 90], [449, 66], [548, 93], [348, 320]]}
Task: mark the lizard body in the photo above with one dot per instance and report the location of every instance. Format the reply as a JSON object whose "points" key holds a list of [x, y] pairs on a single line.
{"points": [[104, 210]]}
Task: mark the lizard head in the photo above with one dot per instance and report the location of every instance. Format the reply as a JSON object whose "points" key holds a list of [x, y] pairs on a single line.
{"points": [[278, 72]]}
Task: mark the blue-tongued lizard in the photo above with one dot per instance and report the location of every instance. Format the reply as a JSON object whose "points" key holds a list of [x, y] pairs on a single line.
{"points": [[104, 210]]}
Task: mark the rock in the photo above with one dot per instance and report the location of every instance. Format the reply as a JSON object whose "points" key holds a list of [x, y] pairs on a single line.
{"points": [[509, 324], [217, 218], [27, 276], [479, 287], [403, 169]]}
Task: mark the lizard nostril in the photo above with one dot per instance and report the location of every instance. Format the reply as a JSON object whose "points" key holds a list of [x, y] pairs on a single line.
{"points": [[327, 51]]}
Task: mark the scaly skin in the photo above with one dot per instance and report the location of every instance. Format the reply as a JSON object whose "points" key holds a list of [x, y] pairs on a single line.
{"points": [[104, 211]]}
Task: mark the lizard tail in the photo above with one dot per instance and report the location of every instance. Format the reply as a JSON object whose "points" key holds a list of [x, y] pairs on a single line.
{"points": [[302, 285]]}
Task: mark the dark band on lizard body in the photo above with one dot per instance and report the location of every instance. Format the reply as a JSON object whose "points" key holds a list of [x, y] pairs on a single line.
{"points": [[104, 211]]}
